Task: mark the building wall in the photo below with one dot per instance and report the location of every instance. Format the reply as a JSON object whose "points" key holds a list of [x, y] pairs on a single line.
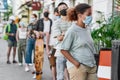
{"points": [[16, 4], [104, 6]]}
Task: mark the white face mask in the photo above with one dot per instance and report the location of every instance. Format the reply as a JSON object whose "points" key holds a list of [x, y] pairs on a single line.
{"points": [[32, 20], [56, 17]]}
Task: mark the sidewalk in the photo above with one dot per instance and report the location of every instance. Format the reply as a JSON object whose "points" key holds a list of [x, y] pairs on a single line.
{"points": [[15, 72]]}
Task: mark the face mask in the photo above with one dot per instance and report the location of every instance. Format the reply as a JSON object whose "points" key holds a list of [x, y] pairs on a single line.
{"points": [[63, 12], [56, 17], [87, 20], [22, 24], [32, 20]]}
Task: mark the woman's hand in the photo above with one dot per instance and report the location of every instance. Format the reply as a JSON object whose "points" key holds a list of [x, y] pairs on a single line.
{"points": [[70, 58], [77, 64], [10, 34], [60, 38]]}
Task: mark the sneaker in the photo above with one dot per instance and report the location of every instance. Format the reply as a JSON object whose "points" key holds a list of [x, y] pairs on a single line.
{"points": [[34, 76], [27, 69], [8, 62], [30, 64], [20, 64], [14, 62]]}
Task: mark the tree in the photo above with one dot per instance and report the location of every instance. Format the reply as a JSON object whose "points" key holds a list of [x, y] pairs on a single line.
{"points": [[8, 13]]}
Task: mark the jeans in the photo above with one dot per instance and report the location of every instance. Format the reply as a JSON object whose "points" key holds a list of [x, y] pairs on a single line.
{"points": [[60, 65], [29, 48]]}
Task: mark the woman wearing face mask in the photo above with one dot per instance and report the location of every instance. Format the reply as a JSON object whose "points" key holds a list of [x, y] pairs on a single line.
{"points": [[21, 39], [30, 41], [78, 45], [59, 28]]}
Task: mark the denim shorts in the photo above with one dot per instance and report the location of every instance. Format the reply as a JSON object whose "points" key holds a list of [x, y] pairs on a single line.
{"points": [[12, 43]]}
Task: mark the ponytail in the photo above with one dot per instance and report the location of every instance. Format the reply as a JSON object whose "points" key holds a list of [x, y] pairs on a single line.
{"points": [[79, 9], [71, 14]]}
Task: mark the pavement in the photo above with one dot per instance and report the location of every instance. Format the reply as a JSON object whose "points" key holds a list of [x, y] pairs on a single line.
{"points": [[16, 72]]}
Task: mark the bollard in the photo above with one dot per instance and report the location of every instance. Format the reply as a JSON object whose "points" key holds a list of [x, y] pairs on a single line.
{"points": [[115, 60]]}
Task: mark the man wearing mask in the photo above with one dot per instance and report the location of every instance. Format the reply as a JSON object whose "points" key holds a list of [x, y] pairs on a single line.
{"points": [[59, 28], [52, 44], [12, 43], [30, 41], [43, 30]]}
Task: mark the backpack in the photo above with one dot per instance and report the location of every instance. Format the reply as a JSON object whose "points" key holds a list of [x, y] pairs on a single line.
{"points": [[5, 36]]}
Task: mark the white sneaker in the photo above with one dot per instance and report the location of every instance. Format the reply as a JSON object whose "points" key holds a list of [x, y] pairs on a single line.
{"points": [[30, 64], [27, 69], [20, 64], [34, 76]]}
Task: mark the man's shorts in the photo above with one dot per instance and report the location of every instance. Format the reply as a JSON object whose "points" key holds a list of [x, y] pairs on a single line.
{"points": [[12, 43]]}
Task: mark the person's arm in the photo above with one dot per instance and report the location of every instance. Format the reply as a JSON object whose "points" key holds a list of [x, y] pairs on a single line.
{"points": [[17, 35], [7, 33], [47, 43], [70, 58], [56, 31], [66, 46]]}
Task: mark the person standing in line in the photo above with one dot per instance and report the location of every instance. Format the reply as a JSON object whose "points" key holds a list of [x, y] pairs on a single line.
{"points": [[43, 29], [59, 28], [52, 58], [12, 43], [21, 39], [78, 46], [30, 45]]}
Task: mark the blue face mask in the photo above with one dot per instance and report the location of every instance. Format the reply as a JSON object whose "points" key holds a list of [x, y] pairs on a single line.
{"points": [[87, 20]]}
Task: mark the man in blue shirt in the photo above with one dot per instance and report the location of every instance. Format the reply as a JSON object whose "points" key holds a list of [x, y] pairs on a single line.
{"points": [[11, 39]]}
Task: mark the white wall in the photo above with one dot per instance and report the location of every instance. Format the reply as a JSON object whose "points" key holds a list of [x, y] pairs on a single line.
{"points": [[104, 6], [15, 5], [80, 1]]}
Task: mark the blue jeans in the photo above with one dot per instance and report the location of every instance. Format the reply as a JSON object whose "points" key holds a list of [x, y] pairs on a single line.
{"points": [[29, 48], [60, 65]]}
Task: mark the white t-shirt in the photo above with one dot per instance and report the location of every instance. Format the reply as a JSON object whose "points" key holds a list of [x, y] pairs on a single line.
{"points": [[46, 28], [22, 33]]}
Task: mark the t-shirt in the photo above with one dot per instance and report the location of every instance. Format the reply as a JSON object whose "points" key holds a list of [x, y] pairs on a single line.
{"points": [[79, 43], [22, 33], [13, 29], [46, 28]]}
